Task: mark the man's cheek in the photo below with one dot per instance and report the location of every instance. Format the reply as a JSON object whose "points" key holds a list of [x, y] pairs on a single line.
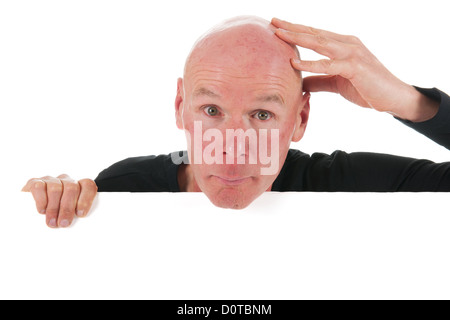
{"points": [[269, 149], [195, 141]]}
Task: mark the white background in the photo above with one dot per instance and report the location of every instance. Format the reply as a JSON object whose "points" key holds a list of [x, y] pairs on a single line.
{"points": [[84, 84]]}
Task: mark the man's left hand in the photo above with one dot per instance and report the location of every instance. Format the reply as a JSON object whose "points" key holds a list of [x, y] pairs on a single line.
{"points": [[355, 73]]}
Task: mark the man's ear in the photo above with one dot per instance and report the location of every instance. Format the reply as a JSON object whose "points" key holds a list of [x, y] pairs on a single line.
{"points": [[302, 118], [179, 104]]}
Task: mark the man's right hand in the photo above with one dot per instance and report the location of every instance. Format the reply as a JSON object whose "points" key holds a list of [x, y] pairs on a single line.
{"points": [[61, 198]]}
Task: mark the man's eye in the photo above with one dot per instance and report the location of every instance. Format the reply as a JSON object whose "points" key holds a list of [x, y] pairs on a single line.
{"points": [[263, 115], [211, 111]]}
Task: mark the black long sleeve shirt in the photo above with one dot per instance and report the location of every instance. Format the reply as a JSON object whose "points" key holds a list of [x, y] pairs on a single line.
{"points": [[354, 172]]}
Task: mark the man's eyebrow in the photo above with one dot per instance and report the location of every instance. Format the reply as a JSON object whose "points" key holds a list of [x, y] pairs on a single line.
{"points": [[205, 92], [202, 91], [271, 98]]}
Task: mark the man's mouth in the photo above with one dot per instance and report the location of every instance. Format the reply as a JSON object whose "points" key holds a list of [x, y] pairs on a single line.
{"points": [[232, 181]]}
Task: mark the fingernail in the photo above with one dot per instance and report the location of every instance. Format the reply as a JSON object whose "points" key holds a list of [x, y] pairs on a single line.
{"points": [[42, 211], [80, 213], [52, 223], [64, 223], [297, 61]]}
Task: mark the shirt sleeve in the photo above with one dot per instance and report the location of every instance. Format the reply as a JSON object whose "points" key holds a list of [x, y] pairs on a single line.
{"points": [[140, 174], [388, 173], [437, 128], [381, 172], [361, 172]]}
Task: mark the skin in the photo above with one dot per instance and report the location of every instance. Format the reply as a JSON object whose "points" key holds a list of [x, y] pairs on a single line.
{"points": [[231, 68], [355, 73], [62, 198]]}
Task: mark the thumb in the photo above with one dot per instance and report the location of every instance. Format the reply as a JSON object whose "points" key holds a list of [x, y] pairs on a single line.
{"points": [[320, 83], [27, 187]]}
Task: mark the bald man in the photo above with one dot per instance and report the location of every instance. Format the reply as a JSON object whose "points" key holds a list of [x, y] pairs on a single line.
{"points": [[242, 101]]}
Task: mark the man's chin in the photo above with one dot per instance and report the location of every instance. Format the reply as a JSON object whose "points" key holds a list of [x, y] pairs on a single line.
{"points": [[234, 206], [231, 199]]}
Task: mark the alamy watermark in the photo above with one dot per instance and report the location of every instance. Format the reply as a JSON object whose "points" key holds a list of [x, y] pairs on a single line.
{"points": [[256, 150]]}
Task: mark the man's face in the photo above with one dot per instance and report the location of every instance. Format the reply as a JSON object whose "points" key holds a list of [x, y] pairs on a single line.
{"points": [[240, 78]]}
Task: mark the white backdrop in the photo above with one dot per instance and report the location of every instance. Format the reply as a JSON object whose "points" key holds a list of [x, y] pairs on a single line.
{"points": [[84, 84]]}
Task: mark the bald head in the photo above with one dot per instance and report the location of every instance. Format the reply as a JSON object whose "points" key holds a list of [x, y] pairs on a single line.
{"points": [[243, 43], [239, 77]]}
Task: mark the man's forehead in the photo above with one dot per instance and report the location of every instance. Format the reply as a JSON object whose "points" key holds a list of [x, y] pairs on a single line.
{"points": [[266, 86], [272, 96]]}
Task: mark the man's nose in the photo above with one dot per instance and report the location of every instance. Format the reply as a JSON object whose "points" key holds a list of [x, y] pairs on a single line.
{"points": [[237, 133], [234, 145]]}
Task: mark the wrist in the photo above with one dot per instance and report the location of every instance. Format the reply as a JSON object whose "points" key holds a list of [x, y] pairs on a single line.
{"points": [[418, 107]]}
